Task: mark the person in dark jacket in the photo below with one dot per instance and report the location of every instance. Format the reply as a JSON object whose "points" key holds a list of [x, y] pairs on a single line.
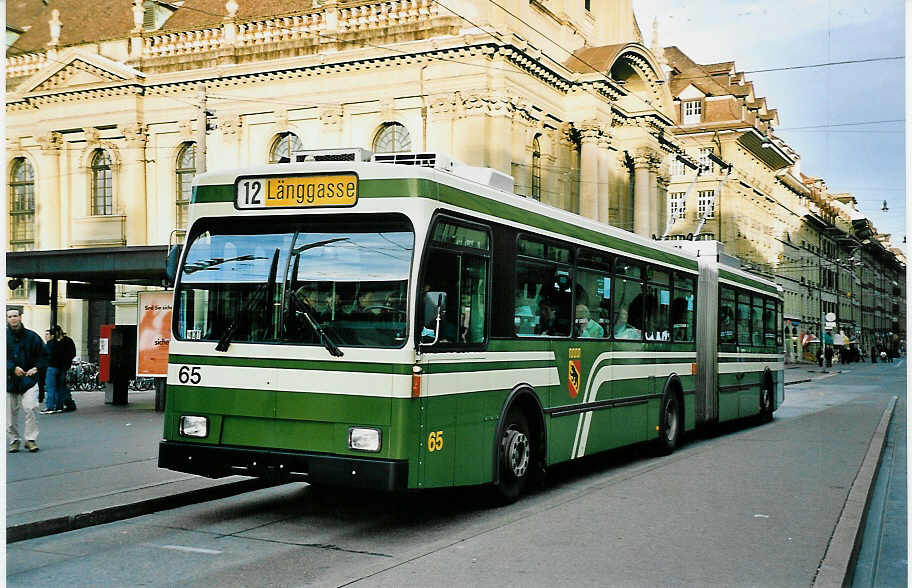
{"points": [[42, 373], [24, 358], [828, 354], [61, 351]]}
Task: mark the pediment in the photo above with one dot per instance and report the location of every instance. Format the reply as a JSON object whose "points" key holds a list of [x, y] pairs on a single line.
{"points": [[76, 70], [691, 92]]}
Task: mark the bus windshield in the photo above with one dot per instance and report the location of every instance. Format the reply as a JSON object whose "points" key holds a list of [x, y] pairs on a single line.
{"points": [[297, 280]]}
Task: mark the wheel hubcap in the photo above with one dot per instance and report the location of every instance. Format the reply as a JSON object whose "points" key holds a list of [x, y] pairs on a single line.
{"points": [[671, 422], [516, 450]]}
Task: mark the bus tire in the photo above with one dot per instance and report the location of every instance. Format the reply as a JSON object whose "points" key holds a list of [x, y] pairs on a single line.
{"points": [[669, 424], [517, 457], [766, 402]]}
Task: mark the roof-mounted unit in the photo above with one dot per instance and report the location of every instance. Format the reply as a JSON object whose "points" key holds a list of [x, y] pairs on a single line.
{"points": [[439, 161], [711, 249], [346, 154]]}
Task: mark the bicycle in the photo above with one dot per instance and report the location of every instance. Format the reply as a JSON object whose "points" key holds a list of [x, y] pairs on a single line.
{"points": [[141, 383], [83, 376]]}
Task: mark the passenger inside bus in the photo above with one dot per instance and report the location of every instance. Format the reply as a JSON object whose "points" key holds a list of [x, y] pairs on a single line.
{"points": [[585, 327], [625, 321]]}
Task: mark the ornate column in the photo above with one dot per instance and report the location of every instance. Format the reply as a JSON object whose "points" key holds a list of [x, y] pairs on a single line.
{"points": [[51, 211], [662, 201], [227, 151], [642, 225], [589, 172], [442, 113], [605, 179], [133, 184], [499, 140], [654, 208], [332, 119], [565, 146]]}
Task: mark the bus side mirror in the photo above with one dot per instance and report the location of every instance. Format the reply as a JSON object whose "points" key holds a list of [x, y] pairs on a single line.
{"points": [[171, 264], [434, 305]]}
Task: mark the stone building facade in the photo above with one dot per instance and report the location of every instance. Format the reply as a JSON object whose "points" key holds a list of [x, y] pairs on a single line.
{"points": [[105, 117]]}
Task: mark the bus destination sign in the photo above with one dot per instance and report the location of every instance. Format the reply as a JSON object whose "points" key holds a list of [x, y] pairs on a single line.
{"points": [[297, 191]]}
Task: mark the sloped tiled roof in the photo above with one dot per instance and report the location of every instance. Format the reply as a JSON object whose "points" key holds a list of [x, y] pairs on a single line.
{"points": [[82, 22], [723, 67], [23, 14], [690, 73], [600, 58]]}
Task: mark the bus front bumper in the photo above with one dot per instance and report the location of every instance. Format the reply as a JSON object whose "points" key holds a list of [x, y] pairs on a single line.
{"points": [[218, 461]]}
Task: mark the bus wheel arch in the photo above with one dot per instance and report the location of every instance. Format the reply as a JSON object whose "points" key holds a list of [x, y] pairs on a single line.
{"points": [[519, 444], [671, 416]]}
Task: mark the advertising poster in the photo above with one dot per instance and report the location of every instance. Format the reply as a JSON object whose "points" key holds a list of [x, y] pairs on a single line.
{"points": [[153, 333]]}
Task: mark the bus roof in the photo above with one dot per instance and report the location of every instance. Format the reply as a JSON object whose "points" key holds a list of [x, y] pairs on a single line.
{"points": [[385, 180]]}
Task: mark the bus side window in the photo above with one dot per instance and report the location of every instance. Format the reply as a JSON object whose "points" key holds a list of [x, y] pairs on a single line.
{"points": [[542, 300], [726, 315], [658, 304], [757, 321], [592, 313], [682, 309], [457, 266], [743, 322]]}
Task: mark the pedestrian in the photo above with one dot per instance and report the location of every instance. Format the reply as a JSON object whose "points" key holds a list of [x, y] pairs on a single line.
{"points": [[24, 357], [828, 353], [820, 356], [68, 353], [60, 355], [42, 373], [874, 353]]}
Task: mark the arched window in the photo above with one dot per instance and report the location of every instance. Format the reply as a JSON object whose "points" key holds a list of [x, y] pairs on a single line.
{"points": [[186, 169], [392, 138], [536, 168], [102, 182], [22, 205], [283, 146]]}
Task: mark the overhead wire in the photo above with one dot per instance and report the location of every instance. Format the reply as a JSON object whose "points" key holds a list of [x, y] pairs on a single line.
{"points": [[521, 71]]}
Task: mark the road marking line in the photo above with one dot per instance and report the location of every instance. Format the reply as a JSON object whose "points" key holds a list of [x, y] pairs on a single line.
{"points": [[190, 549]]}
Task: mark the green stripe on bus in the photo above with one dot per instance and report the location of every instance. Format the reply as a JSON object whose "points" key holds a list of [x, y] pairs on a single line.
{"points": [[726, 275]]}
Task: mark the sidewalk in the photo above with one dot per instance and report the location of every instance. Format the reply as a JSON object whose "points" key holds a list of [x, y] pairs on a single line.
{"points": [[99, 464], [96, 465]]}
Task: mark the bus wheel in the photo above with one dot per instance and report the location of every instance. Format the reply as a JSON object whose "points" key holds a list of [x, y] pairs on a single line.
{"points": [[766, 404], [516, 457], [670, 427]]}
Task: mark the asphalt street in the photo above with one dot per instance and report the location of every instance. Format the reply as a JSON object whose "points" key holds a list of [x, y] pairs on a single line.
{"points": [[746, 506]]}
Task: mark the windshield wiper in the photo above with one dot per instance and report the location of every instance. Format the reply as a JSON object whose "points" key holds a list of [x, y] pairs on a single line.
{"points": [[307, 313], [256, 300]]}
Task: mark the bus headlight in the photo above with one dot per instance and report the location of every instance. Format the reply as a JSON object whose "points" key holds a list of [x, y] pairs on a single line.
{"points": [[194, 426], [362, 439]]}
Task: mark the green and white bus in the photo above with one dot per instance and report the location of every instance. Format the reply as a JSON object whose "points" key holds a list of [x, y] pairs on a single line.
{"points": [[404, 322]]}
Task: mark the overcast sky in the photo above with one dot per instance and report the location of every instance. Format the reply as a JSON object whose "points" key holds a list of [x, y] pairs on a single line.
{"points": [[867, 160]]}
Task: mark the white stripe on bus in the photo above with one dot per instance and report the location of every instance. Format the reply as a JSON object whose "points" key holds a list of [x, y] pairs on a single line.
{"points": [[605, 373], [358, 383]]}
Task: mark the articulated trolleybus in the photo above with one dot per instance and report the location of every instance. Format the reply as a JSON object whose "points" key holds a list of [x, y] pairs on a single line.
{"points": [[402, 321]]}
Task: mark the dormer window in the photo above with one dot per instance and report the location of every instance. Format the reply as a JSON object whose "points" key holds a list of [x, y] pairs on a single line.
{"points": [[693, 112]]}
